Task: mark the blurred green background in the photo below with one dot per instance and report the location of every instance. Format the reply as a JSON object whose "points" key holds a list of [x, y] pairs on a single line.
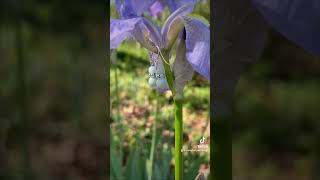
{"points": [[53, 101], [53, 90], [276, 121], [135, 109]]}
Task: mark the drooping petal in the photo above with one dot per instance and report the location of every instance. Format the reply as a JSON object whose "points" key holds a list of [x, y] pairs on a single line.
{"points": [[142, 6], [125, 9], [132, 8], [182, 69], [121, 30], [138, 28], [147, 35], [173, 25], [298, 20], [154, 31], [156, 8], [240, 36], [176, 4], [198, 45]]}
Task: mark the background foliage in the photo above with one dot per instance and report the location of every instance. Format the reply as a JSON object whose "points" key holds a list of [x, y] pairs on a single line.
{"points": [[276, 120], [52, 90]]}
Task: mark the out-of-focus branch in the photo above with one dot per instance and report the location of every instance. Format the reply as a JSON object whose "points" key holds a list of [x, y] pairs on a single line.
{"points": [[22, 100], [239, 37]]}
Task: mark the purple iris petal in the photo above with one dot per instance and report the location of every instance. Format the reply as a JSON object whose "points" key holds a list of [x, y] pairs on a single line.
{"points": [[182, 69], [138, 28], [154, 32], [198, 45], [182, 11], [121, 29], [125, 9], [132, 8], [156, 8], [176, 4], [298, 20]]}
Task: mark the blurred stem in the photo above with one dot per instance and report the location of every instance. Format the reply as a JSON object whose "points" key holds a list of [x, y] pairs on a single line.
{"points": [[117, 93], [221, 146], [154, 134], [178, 125], [22, 94], [316, 163]]}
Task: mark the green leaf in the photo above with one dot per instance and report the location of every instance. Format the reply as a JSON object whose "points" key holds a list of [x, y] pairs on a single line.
{"points": [[134, 167], [193, 169], [149, 168], [166, 158], [115, 162], [157, 173]]}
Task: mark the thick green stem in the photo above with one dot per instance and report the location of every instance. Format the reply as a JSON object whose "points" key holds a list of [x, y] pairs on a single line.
{"points": [[167, 69], [178, 125], [178, 118]]}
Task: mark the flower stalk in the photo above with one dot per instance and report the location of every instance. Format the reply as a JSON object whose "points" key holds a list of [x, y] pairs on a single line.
{"points": [[153, 143], [178, 126], [178, 117], [167, 69]]}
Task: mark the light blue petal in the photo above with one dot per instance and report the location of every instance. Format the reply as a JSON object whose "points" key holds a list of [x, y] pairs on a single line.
{"points": [[182, 69], [298, 20], [198, 45], [133, 8], [156, 9], [125, 9], [148, 35], [176, 4], [173, 24], [121, 30], [138, 28], [142, 6]]}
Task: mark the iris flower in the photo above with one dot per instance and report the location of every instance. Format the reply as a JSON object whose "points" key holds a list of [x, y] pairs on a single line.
{"points": [[192, 39], [298, 20], [156, 9], [192, 36]]}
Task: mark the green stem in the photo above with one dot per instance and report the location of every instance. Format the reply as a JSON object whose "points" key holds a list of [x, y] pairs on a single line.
{"points": [[154, 133], [167, 69], [178, 121], [178, 139], [24, 114]]}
